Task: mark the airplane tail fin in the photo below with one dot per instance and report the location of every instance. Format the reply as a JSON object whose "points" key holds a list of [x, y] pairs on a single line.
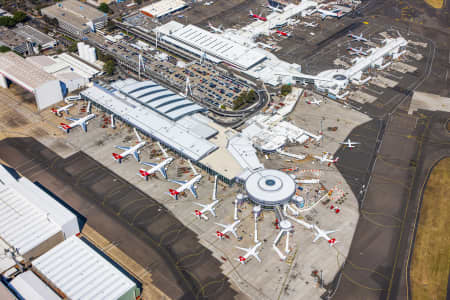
{"points": [[65, 127], [144, 174], [174, 194], [117, 157]]}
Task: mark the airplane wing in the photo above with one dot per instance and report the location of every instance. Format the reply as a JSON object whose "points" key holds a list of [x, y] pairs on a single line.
{"points": [[212, 212], [199, 204], [83, 126], [224, 226], [180, 182], [149, 164], [244, 249], [72, 119], [316, 238], [123, 148], [193, 191], [257, 257], [162, 170], [136, 155]]}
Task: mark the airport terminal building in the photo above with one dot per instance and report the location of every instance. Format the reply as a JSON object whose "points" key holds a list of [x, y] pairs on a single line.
{"points": [[177, 123]]}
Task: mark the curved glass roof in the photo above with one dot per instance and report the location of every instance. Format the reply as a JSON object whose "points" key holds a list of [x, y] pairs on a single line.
{"points": [[137, 86], [161, 99]]}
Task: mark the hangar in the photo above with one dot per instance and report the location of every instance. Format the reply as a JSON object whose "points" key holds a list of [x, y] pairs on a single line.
{"points": [[47, 89]]}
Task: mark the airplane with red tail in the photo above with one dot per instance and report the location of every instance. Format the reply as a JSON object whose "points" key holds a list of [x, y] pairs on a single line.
{"points": [[130, 150], [257, 17]]}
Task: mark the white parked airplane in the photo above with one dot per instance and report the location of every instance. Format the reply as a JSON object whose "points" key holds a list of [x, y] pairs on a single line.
{"points": [[186, 185], [291, 22], [161, 167], [205, 208], [215, 29], [357, 51], [323, 234], [312, 24], [358, 38], [349, 143], [266, 46], [130, 150], [208, 3], [82, 122], [228, 228], [276, 8], [336, 13], [314, 101], [208, 207], [58, 110], [326, 157], [249, 252]]}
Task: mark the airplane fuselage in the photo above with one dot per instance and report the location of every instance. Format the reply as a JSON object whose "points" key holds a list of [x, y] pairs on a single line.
{"points": [[162, 164], [76, 123], [130, 151]]}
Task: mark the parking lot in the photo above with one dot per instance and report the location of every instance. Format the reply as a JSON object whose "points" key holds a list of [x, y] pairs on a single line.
{"points": [[208, 84]]}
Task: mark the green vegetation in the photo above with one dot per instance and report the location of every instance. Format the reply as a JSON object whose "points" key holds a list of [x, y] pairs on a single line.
{"points": [[104, 8], [244, 98], [4, 49], [110, 63], [109, 67], [18, 17], [430, 264], [73, 47], [286, 89]]}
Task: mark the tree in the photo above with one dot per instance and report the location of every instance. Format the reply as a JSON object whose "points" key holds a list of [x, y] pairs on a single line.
{"points": [[109, 67], [4, 49], [251, 96], [286, 89], [104, 8], [19, 16], [73, 47]]}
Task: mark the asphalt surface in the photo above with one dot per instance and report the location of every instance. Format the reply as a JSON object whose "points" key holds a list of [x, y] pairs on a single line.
{"points": [[146, 231], [388, 173]]}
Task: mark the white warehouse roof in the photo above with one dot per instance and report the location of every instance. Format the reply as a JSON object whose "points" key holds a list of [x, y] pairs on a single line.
{"points": [[29, 216], [81, 273], [23, 72], [63, 63], [29, 286], [212, 44], [162, 8]]}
